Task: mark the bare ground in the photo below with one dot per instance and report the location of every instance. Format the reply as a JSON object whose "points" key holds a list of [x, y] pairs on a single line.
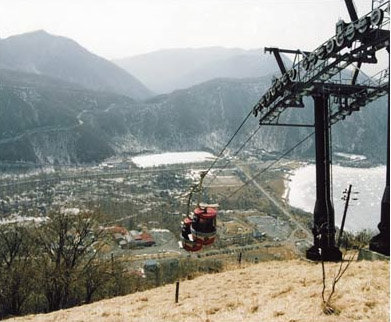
{"points": [[269, 291]]}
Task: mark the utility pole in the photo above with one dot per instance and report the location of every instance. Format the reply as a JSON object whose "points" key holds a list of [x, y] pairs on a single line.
{"points": [[346, 197]]}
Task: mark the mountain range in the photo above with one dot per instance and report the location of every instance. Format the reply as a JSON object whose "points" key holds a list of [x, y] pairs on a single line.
{"points": [[44, 54], [166, 70], [49, 117]]}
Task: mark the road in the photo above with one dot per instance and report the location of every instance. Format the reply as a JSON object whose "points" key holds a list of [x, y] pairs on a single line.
{"points": [[53, 128], [279, 206], [43, 129]]}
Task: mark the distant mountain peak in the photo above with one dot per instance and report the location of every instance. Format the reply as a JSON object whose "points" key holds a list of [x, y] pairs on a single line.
{"points": [[40, 52], [39, 31], [34, 33]]}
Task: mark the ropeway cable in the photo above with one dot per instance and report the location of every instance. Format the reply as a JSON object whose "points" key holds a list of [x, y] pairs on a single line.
{"points": [[235, 154], [269, 166], [86, 166], [228, 143]]}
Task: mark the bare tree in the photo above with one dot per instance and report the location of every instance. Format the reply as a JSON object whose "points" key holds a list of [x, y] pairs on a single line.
{"points": [[95, 275], [16, 283], [328, 307], [69, 243]]}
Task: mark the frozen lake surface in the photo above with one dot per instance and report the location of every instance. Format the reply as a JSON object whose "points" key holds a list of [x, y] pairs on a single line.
{"points": [[155, 160], [363, 213]]}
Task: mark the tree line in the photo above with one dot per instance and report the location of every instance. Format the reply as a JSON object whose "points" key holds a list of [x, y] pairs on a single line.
{"points": [[56, 264]]}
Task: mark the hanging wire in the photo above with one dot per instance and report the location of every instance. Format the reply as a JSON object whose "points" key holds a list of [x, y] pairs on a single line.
{"points": [[268, 167], [205, 173], [228, 143], [234, 155], [190, 195]]}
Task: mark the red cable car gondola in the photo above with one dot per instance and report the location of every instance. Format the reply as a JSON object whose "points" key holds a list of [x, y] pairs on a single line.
{"points": [[187, 240], [203, 227], [199, 228]]}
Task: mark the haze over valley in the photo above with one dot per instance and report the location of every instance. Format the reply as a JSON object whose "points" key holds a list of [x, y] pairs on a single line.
{"points": [[63, 104], [144, 143]]}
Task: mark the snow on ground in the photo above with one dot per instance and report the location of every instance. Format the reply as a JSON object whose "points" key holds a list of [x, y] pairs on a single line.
{"points": [[353, 157], [70, 211], [27, 174], [195, 174], [116, 180], [15, 218], [363, 213], [154, 160], [157, 230]]}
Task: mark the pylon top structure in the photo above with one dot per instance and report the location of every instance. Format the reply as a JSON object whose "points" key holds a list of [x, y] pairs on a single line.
{"points": [[354, 43], [319, 74]]}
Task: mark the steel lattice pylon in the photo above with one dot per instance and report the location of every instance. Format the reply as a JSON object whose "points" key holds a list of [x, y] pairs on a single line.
{"points": [[318, 74]]}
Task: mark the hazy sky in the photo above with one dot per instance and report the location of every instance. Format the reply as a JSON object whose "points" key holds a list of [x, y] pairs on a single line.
{"points": [[120, 28]]}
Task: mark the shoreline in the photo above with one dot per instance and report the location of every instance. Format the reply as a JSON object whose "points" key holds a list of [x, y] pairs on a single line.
{"points": [[364, 207]]}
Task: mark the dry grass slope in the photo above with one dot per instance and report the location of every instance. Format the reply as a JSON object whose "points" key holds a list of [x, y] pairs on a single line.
{"points": [[269, 291]]}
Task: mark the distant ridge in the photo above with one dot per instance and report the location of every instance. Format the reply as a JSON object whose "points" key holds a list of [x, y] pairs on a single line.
{"points": [[44, 120], [182, 68], [39, 52], [60, 104]]}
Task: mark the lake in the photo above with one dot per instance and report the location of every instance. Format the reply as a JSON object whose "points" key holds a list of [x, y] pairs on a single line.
{"points": [[155, 160], [363, 213]]}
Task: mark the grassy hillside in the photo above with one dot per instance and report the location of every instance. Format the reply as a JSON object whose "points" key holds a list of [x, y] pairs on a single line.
{"points": [[269, 291]]}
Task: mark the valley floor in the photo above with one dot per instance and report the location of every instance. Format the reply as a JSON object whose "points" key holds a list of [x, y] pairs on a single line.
{"points": [[269, 291]]}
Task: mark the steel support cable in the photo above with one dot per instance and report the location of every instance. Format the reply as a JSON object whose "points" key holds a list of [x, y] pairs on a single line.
{"points": [[154, 170], [229, 142], [234, 155], [205, 173], [269, 166]]}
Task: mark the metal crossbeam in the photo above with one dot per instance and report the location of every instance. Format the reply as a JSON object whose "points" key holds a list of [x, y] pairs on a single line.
{"points": [[287, 51], [305, 88], [356, 71], [365, 40], [277, 55], [351, 9], [315, 75], [286, 124]]}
